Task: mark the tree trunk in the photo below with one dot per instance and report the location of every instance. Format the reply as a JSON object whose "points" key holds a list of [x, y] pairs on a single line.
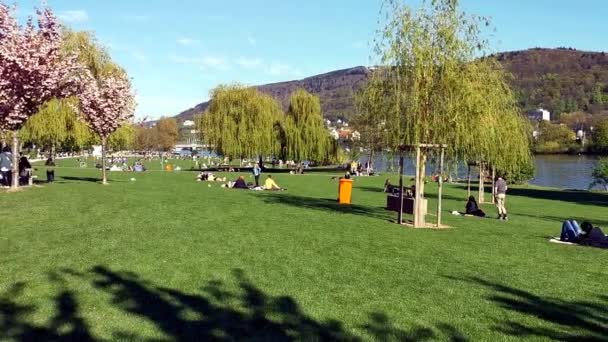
{"points": [[481, 183], [440, 190], [53, 152], [419, 219], [401, 167], [104, 179], [370, 161], [493, 185], [469, 180], [15, 171]]}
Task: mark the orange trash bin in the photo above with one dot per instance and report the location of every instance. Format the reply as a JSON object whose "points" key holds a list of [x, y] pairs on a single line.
{"points": [[345, 191]]}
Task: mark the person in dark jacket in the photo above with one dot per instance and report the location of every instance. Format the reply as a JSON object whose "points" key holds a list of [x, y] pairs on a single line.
{"points": [[473, 209], [593, 236], [240, 183], [24, 170]]}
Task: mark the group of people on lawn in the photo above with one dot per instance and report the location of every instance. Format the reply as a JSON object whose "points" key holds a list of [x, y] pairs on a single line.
{"points": [[240, 183]]}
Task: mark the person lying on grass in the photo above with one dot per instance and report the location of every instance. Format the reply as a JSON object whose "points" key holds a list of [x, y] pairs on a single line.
{"points": [[271, 185], [586, 234]]}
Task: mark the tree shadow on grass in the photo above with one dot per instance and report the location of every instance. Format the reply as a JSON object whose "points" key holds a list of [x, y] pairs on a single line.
{"points": [[571, 196], [218, 312], [65, 325], [381, 328], [70, 179], [370, 189], [568, 320], [324, 204]]}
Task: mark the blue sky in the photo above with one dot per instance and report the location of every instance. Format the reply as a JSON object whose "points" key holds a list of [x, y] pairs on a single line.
{"points": [[176, 51]]}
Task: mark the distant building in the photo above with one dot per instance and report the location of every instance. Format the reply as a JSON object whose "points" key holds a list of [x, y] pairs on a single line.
{"points": [[188, 123], [540, 115]]}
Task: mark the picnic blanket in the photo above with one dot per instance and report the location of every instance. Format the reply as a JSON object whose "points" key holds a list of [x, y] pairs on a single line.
{"points": [[557, 240]]}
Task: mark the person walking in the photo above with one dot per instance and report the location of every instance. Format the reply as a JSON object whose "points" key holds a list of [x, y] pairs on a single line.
{"points": [[257, 171], [500, 191]]}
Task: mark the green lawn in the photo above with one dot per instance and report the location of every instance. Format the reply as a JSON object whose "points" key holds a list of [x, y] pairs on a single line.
{"points": [[166, 258]]}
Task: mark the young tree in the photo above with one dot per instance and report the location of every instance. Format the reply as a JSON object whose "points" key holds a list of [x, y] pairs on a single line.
{"points": [[167, 134], [106, 104], [442, 93], [240, 122], [304, 136], [370, 120], [106, 100], [33, 70]]}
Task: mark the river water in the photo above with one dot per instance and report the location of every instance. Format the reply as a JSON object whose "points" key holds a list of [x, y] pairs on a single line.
{"points": [[557, 171], [563, 171]]}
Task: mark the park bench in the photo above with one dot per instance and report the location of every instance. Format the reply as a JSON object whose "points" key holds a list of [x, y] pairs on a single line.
{"points": [[393, 201]]}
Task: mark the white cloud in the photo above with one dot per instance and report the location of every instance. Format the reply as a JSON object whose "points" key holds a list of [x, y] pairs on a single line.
{"points": [[74, 16], [205, 63], [249, 63], [186, 41], [274, 68]]}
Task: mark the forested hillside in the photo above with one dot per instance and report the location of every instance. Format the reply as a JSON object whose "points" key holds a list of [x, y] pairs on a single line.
{"points": [[559, 80]]}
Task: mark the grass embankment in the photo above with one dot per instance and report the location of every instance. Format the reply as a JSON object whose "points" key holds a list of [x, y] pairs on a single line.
{"points": [[165, 257]]}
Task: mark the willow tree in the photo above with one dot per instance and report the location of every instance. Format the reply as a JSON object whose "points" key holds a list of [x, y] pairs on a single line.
{"points": [[123, 138], [438, 89], [304, 136], [370, 120], [500, 140], [240, 122], [56, 125]]}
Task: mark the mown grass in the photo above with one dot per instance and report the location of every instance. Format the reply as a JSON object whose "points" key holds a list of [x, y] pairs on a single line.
{"points": [[166, 258]]}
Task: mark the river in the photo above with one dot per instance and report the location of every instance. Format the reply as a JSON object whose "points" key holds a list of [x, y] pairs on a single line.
{"points": [[557, 171], [564, 171]]}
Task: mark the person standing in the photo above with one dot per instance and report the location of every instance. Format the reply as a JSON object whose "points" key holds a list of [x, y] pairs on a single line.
{"points": [[6, 167], [257, 171], [500, 191]]}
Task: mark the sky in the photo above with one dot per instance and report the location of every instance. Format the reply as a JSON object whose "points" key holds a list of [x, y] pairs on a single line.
{"points": [[177, 51]]}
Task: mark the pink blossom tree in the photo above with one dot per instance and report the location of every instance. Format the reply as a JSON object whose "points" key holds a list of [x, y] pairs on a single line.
{"points": [[106, 104], [33, 70]]}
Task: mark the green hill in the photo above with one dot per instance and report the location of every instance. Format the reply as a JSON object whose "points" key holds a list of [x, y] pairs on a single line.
{"points": [[559, 80]]}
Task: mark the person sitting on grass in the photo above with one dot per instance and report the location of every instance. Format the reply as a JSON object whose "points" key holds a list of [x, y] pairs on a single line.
{"points": [[473, 209], [271, 185], [240, 183]]}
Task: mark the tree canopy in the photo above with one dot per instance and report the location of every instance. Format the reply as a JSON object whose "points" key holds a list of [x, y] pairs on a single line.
{"points": [[241, 122], [167, 133], [440, 92], [304, 134]]}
